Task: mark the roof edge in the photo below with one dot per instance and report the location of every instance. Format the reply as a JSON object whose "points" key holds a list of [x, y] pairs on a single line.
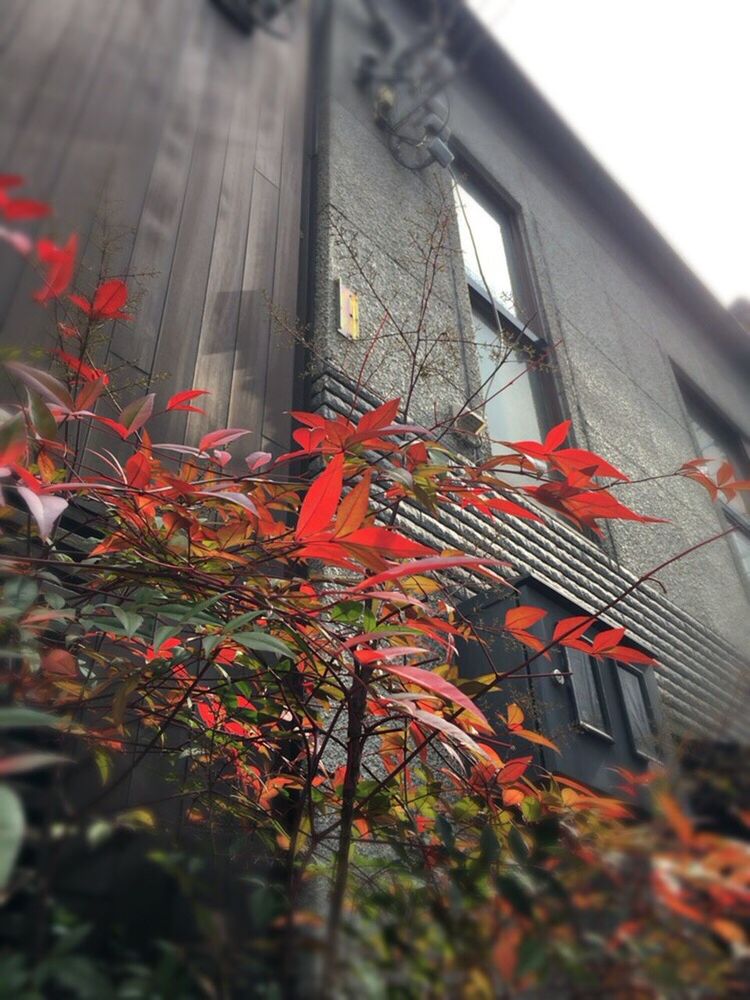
{"points": [[536, 116]]}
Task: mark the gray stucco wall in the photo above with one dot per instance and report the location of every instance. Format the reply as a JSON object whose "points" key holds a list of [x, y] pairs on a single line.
{"points": [[618, 332]]}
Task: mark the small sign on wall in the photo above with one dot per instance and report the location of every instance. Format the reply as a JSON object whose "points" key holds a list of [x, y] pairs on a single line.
{"points": [[348, 311]]}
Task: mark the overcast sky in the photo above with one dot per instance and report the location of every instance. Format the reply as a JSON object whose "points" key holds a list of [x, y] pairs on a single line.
{"points": [[659, 90]]}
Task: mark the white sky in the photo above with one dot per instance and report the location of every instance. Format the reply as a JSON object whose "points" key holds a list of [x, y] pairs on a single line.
{"points": [[659, 90]]}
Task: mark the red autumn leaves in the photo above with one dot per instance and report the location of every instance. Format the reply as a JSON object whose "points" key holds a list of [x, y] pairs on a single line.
{"points": [[19, 209], [57, 262], [107, 303], [607, 644], [571, 490]]}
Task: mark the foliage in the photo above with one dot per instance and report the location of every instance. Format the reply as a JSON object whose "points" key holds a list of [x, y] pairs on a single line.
{"points": [[232, 684]]}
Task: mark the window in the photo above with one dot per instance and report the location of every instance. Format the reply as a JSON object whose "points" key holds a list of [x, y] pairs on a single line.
{"points": [[589, 704], [718, 441], [638, 713], [516, 388]]}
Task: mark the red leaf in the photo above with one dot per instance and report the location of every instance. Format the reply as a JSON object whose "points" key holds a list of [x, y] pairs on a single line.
{"points": [[90, 392], [59, 662], [388, 543], [109, 298], [79, 367], [114, 425], [16, 209], [176, 401], [557, 435], [137, 413], [440, 686], [138, 470], [508, 507], [534, 737], [321, 500], [379, 417], [215, 439], [370, 656], [83, 303], [607, 640], [514, 769], [570, 629], [10, 180], [579, 458], [426, 566], [59, 263], [309, 438], [523, 617], [626, 654], [517, 620]]}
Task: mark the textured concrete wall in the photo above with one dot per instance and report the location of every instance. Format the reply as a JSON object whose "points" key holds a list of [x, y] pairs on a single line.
{"points": [[619, 333]]}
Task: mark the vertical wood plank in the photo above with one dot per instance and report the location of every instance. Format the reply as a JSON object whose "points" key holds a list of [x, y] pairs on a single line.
{"points": [[159, 224], [247, 396], [281, 372]]}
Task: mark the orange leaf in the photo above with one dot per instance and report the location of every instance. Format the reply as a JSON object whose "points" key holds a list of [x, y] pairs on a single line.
{"points": [[532, 737], [515, 716], [514, 769], [354, 507], [523, 617]]}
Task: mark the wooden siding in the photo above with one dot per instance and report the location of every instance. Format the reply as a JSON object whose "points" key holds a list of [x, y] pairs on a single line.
{"points": [[173, 145]]}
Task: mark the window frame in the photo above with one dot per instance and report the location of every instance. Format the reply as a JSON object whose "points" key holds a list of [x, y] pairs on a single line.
{"points": [[529, 336], [695, 405], [576, 707], [627, 668]]}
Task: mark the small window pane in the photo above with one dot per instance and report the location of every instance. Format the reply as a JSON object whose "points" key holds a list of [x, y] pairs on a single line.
{"points": [[508, 388], [483, 245], [718, 442], [740, 542], [637, 712], [589, 707]]}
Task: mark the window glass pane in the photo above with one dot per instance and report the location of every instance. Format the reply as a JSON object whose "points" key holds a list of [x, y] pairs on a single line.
{"points": [[740, 542], [508, 388], [588, 702], [636, 710], [719, 442], [484, 249]]}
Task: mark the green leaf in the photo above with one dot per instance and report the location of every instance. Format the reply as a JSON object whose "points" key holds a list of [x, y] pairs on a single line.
{"points": [[12, 430], [517, 845], [445, 831], [41, 418], [489, 848], [164, 632], [531, 809], [20, 592], [49, 387], [245, 619], [516, 894], [129, 620], [18, 717], [262, 642], [12, 829]]}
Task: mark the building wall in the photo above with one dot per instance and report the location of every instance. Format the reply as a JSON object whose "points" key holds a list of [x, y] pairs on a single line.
{"points": [[618, 329], [173, 144]]}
